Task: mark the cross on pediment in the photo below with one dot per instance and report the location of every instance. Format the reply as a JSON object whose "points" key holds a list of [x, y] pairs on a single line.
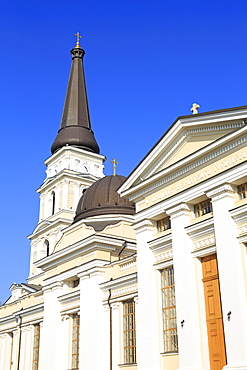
{"points": [[194, 108]]}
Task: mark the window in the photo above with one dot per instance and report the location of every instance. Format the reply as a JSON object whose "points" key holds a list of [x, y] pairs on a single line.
{"points": [[75, 341], [53, 199], [129, 331], [36, 341], [75, 283], [163, 224], [242, 191], [46, 247], [169, 310], [202, 208]]}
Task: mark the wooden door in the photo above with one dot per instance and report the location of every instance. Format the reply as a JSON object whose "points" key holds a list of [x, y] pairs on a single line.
{"points": [[216, 339]]}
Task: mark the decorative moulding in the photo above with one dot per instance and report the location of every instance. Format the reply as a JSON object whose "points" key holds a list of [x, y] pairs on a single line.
{"points": [[171, 173], [220, 190], [181, 208]]}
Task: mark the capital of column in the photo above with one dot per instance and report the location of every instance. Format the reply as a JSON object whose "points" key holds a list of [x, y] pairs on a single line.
{"points": [[143, 225], [53, 286], [178, 210], [115, 305], [222, 190]]}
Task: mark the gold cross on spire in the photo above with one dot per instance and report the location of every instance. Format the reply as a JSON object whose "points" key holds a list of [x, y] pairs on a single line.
{"points": [[114, 166], [78, 37]]}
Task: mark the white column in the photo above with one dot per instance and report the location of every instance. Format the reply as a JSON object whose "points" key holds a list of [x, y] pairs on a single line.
{"points": [[65, 194], [5, 351], [147, 328], [189, 340], [116, 322], [231, 276], [52, 336], [94, 326], [15, 349], [66, 342], [76, 194]]}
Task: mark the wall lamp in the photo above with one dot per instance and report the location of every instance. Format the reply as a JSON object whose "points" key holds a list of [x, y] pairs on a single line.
{"points": [[229, 315], [182, 324]]}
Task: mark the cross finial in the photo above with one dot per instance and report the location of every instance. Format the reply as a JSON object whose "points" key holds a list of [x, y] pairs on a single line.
{"points": [[114, 166], [195, 108], [78, 37]]}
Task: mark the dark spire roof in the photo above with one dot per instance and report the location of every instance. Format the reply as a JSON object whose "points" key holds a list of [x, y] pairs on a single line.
{"points": [[75, 128]]}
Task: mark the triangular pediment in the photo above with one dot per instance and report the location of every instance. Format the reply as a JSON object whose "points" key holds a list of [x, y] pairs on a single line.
{"points": [[187, 136]]}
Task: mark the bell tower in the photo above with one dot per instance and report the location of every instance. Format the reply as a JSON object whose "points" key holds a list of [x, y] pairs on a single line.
{"points": [[74, 165]]}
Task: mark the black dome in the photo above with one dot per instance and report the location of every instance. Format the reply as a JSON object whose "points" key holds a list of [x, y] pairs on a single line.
{"points": [[102, 198]]}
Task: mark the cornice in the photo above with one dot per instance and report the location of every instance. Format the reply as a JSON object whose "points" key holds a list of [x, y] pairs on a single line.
{"points": [[50, 224], [239, 214], [161, 244], [69, 297], [91, 243], [66, 175], [24, 312], [201, 229], [72, 150], [119, 283]]}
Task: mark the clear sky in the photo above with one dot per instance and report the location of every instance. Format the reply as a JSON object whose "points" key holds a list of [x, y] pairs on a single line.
{"points": [[146, 62]]}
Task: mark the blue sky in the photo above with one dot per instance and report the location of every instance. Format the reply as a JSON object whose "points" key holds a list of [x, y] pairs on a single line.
{"points": [[146, 62]]}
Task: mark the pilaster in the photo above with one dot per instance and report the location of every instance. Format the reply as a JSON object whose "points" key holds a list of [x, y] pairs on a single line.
{"points": [[50, 348], [188, 322], [147, 327], [94, 351], [231, 276]]}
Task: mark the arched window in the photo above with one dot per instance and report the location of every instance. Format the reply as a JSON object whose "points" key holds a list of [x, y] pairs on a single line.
{"points": [[46, 245], [53, 202]]}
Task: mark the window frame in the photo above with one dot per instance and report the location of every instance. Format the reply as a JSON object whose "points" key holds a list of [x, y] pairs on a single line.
{"points": [[242, 194], [129, 332], [169, 315], [203, 208], [75, 338], [163, 224]]}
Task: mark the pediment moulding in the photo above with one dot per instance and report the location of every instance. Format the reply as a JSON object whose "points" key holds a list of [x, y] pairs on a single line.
{"points": [[199, 165], [182, 138], [191, 163]]}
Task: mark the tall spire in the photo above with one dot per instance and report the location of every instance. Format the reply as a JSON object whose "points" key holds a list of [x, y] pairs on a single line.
{"points": [[75, 128]]}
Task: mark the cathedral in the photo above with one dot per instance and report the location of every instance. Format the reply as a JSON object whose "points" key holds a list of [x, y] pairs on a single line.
{"points": [[147, 272]]}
